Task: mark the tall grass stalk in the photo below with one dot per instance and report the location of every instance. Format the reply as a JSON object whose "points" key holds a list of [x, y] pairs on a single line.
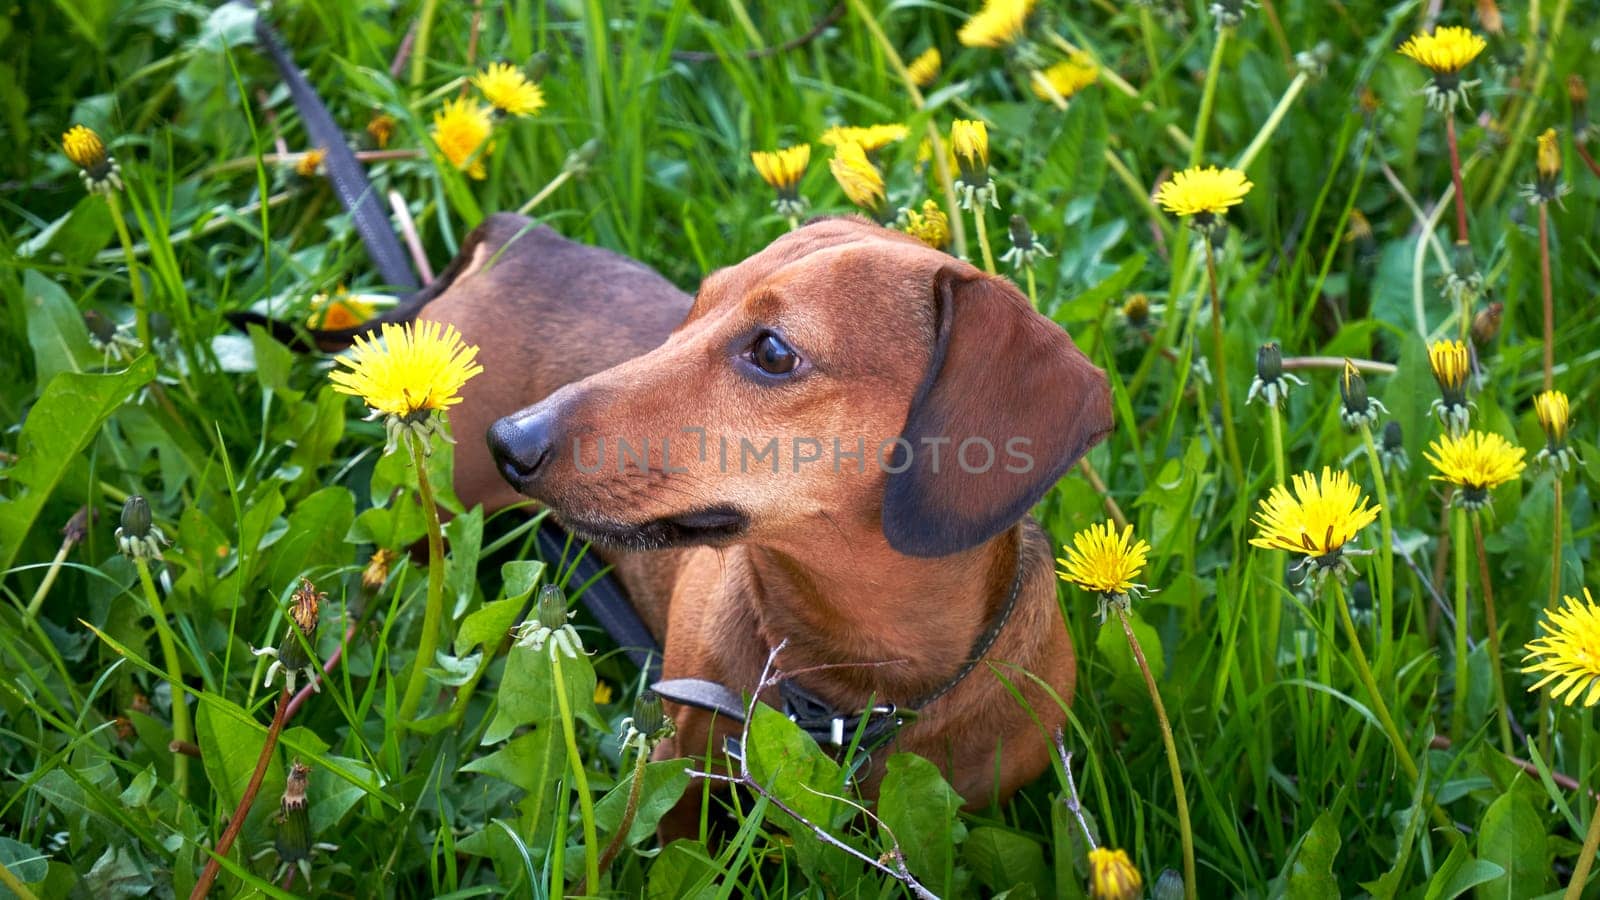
{"points": [[1591, 844], [1181, 796], [141, 306], [433, 610], [1220, 349], [1208, 98], [1458, 712]]}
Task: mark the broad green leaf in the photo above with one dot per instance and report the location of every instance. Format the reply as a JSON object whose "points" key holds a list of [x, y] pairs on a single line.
{"points": [[1512, 836], [683, 870], [1111, 643], [1309, 873], [1460, 873], [76, 237], [229, 750], [664, 783], [56, 332], [315, 537], [1002, 860], [921, 810], [465, 536], [528, 694], [29, 865], [487, 624], [787, 762], [530, 760], [57, 431]]}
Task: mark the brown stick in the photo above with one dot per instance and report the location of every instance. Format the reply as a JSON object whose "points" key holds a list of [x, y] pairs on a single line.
{"points": [[208, 876], [1441, 742]]}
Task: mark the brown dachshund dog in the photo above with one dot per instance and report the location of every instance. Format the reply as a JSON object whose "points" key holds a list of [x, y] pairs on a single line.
{"points": [[835, 444]]}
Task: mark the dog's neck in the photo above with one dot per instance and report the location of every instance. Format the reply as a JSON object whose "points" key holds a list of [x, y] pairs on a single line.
{"points": [[863, 620]]}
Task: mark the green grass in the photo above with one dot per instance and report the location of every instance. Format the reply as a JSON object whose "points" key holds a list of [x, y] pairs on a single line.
{"points": [[260, 474]]}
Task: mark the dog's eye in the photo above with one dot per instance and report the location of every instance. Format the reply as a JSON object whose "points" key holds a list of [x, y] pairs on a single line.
{"points": [[772, 356]]}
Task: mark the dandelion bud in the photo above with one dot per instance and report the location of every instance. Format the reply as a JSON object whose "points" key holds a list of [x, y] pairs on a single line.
{"points": [[1168, 887], [138, 537], [1271, 383], [160, 327], [969, 138], [782, 170], [294, 656], [1358, 409], [1392, 449], [77, 527], [1578, 96], [1230, 13], [293, 841], [1112, 876], [83, 147], [649, 722], [1025, 250], [552, 607], [579, 160], [1451, 364], [1136, 311], [860, 179], [102, 331], [1554, 412]]}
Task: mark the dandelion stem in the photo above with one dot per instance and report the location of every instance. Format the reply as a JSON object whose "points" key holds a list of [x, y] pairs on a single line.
{"points": [[1385, 552], [141, 309], [1120, 84], [428, 641], [1273, 121], [1549, 302], [181, 730], [1460, 196], [1275, 604], [1546, 725], [550, 188], [983, 237], [49, 579], [1033, 289], [1230, 439], [1458, 727], [620, 838], [1502, 710], [1208, 98], [1580, 873], [208, 875], [591, 859], [1548, 41], [1172, 755]]}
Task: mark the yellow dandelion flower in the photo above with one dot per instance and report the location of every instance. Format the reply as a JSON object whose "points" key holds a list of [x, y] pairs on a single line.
{"points": [[1112, 876], [381, 128], [310, 162], [998, 24], [1446, 51], [1475, 462], [415, 368], [1451, 364], [1320, 516], [925, 68], [1103, 562], [602, 693], [460, 129], [508, 90], [1568, 652], [1203, 193], [1549, 154], [377, 570], [1553, 411], [969, 139], [782, 170], [871, 138], [931, 226], [84, 149], [860, 179], [1066, 78]]}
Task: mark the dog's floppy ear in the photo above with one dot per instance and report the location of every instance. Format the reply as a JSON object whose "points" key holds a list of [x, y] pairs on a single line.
{"points": [[1007, 406]]}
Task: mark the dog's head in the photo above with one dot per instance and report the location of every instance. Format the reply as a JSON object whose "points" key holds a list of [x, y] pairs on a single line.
{"points": [[846, 377]]}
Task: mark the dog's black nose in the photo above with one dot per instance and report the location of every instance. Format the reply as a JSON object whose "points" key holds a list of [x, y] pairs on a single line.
{"points": [[521, 445]]}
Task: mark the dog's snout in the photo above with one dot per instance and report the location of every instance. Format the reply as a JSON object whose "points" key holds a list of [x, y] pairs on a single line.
{"points": [[522, 445]]}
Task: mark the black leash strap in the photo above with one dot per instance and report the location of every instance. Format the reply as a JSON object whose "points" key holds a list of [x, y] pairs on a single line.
{"points": [[349, 181]]}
